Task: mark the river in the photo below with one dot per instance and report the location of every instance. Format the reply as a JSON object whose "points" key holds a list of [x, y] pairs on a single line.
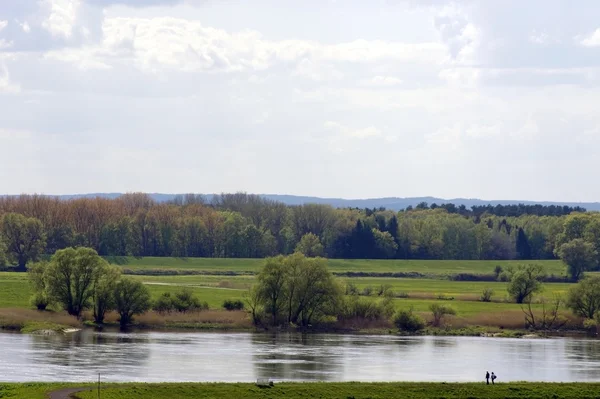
{"points": [[244, 357]]}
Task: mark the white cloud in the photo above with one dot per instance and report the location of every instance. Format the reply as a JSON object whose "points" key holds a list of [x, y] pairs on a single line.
{"points": [[8, 134], [184, 45], [382, 81], [317, 71], [62, 17], [431, 91], [591, 40], [6, 85], [3, 24], [344, 132]]}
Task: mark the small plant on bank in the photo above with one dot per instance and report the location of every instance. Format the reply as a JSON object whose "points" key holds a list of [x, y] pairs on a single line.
{"points": [[40, 301], [164, 303], [351, 289], [233, 305], [406, 320], [439, 312], [185, 301], [486, 295], [498, 271], [385, 290], [367, 291]]}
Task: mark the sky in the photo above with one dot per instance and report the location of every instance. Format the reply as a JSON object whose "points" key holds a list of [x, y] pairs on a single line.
{"points": [[495, 99]]}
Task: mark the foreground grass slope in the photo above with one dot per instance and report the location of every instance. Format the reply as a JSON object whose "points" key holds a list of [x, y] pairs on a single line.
{"points": [[348, 390], [312, 390], [30, 390]]}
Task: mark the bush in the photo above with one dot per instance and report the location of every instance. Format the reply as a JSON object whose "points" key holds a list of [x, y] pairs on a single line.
{"points": [[185, 301], [233, 305], [498, 271], [406, 320], [164, 303], [351, 289], [385, 290], [486, 295], [439, 311], [40, 301], [360, 308], [367, 291]]}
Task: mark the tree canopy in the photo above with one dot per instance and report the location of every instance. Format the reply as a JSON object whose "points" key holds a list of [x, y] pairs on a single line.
{"points": [[242, 225]]}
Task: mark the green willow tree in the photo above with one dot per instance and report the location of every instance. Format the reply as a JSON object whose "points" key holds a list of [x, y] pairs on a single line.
{"points": [[71, 277], [295, 290], [131, 298], [23, 237]]}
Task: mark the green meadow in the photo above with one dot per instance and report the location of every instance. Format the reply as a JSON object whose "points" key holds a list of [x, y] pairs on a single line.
{"points": [[431, 267]]}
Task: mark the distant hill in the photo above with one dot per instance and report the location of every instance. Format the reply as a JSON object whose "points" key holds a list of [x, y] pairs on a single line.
{"points": [[394, 203]]}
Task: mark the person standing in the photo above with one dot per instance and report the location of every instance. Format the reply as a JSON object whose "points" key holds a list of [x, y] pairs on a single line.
{"points": [[493, 377], [487, 378]]}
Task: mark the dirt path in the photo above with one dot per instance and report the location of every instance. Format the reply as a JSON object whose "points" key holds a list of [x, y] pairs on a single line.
{"points": [[66, 393]]}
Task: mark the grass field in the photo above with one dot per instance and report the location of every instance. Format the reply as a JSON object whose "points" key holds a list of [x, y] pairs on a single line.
{"points": [[29, 390], [416, 293], [15, 290], [433, 267], [312, 390], [348, 390]]}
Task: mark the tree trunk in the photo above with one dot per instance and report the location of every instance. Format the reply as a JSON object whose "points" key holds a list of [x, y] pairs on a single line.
{"points": [[22, 267]]}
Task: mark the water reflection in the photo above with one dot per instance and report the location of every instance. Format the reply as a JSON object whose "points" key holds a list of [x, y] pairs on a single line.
{"points": [[293, 357], [231, 357]]}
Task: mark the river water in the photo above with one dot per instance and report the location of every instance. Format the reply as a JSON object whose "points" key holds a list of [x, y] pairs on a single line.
{"points": [[244, 357]]}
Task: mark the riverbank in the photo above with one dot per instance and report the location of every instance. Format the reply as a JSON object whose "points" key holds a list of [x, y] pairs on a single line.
{"points": [[304, 390], [47, 322]]}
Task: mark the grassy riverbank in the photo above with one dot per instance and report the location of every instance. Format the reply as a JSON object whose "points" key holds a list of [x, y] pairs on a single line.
{"points": [[464, 296], [33, 390], [350, 390], [315, 390]]}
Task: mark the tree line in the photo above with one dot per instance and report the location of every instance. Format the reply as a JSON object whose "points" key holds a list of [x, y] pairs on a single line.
{"points": [[249, 226]]}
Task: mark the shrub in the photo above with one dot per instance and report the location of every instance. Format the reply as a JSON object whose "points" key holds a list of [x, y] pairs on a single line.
{"points": [[385, 290], [351, 289], [402, 294], [40, 301], [439, 311], [233, 305], [584, 298], [185, 301], [164, 303], [497, 271], [406, 320], [361, 308], [367, 291], [525, 281], [486, 295]]}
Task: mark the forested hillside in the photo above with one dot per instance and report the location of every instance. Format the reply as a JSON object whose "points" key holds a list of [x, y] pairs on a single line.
{"points": [[241, 225]]}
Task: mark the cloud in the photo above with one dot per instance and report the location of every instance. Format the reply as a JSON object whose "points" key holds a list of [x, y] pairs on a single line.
{"points": [[382, 81], [62, 17], [179, 44], [6, 85], [591, 40], [345, 131]]}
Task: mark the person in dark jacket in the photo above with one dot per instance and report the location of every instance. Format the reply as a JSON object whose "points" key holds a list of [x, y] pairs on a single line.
{"points": [[487, 377], [493, 377]]}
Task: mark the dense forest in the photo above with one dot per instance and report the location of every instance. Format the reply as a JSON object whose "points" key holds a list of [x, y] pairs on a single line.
{"points": [[242, 225]]}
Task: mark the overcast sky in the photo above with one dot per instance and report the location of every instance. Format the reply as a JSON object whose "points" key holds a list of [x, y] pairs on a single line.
{"points": [[495, 99]]}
